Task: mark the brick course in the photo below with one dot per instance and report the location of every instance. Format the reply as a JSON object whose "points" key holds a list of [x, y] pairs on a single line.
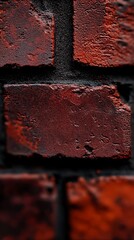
{"points": [[27, 207], [67, 120], [27, 35], [104, 32], [101, 208]]}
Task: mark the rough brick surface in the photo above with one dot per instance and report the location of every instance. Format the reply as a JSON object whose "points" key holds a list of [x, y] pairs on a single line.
{"points": [[70, 120], [102, 209], [27, 207], [27, 35], [104, 32]]}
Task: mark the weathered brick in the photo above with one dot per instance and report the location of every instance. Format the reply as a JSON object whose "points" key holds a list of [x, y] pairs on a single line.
{"points": [[68, 120], [104, 32], [27, 34], [101, 208], [27, 207]]}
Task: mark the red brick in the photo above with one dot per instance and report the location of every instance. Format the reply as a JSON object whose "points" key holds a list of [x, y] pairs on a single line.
{"points": [[101, 209], [70, 120], [27, 35], [104, 32], [27, 207]]}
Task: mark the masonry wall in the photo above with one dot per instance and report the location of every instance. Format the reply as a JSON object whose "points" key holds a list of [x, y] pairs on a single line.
{"points": [[66, 120]]}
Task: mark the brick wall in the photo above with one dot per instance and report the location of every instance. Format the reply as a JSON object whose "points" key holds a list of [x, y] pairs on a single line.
{"points": [[66, 120]]}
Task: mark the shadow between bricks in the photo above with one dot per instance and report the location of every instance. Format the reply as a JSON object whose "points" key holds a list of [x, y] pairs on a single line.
{"points": [[66, 71]]}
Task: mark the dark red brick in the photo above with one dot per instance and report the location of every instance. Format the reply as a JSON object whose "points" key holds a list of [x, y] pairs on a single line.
{"points": [[69, 120], [27, 35], [101, 209], [104, 32], [27, 207]]}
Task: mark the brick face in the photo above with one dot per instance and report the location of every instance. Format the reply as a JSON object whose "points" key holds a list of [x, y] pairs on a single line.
{"points": [[27, 207], [104, 32], [101, 208], [66, 111], [27, 35], [70, 120]]}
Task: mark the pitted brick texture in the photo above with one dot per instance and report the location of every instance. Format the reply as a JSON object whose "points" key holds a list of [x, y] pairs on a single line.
{"points": [[101, 208], [27, 207], [68, 120], [27, 35], [104, 32]]}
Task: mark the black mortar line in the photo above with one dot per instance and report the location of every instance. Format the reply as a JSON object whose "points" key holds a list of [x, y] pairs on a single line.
{"points": [[132, 125], [63, 14], [64, 166], [62, 218], [65, 71], [64, 74], [2, 129]]}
